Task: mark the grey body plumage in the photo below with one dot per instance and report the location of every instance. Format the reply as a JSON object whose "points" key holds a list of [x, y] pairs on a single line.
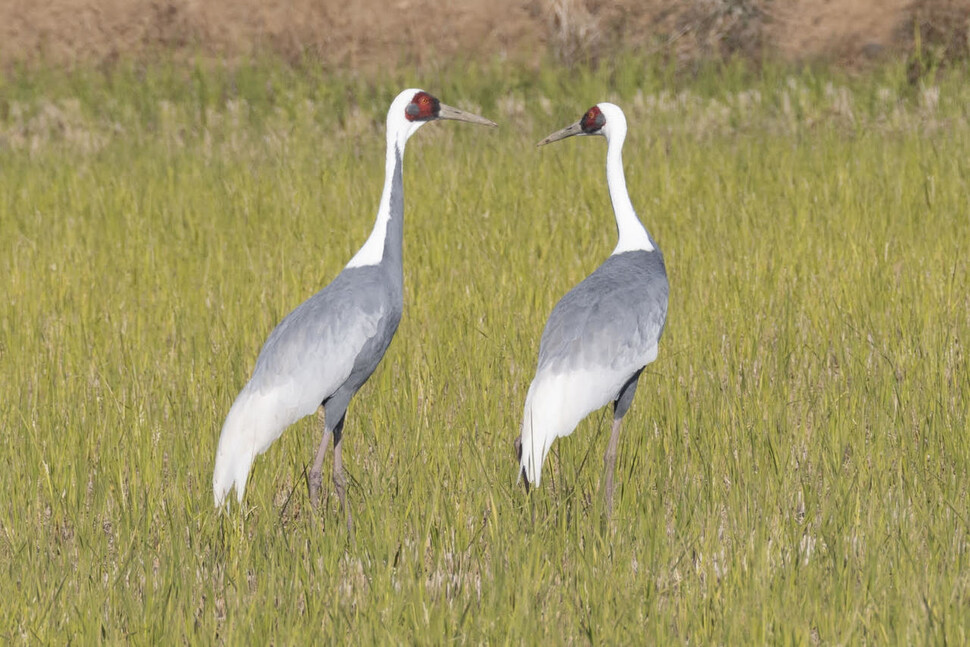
{"points": [[603, 332], [610, 316], [359, 298], [321, 354], [368, 299]]}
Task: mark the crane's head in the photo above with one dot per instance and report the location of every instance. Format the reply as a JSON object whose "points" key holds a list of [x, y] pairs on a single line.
{"points": [[413, 108], [604, 119]]}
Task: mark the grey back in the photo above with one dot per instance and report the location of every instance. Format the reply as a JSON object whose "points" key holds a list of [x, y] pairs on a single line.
{"points": [[615, 313]]}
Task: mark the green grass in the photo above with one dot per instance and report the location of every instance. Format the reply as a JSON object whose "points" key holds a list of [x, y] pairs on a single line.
{"points": [[795, 466]]}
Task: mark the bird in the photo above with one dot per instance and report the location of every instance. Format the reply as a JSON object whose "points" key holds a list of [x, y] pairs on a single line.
{"points": [[604, 331], [322, 352]]}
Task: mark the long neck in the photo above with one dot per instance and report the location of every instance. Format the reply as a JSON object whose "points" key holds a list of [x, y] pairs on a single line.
{"points": [[631, 235], [383, 246]]}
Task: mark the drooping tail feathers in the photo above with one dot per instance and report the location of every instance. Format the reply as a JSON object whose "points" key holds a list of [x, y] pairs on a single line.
{"points": [[538, 432], [255, 420], [532, 451], [555, 404]]}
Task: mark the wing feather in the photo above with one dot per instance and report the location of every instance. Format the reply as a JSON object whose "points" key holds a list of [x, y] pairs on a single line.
{"points": [[598, 335], [306, 358]]}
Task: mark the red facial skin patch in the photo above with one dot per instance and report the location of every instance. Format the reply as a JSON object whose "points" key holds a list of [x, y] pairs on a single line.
{"points": [[422, 107], [592, 121]]}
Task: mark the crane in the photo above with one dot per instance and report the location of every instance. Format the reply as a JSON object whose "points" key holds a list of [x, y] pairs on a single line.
{"points": [[604, 331], [322, 352]]}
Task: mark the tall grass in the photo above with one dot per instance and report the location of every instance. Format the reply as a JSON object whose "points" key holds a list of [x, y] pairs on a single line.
{"points": [[793, 470]]}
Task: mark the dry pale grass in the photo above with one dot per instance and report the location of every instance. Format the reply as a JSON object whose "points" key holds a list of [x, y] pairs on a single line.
{"points": [[939, 32], [374, 34], [794, 470], [358, 34], [842, 29]]}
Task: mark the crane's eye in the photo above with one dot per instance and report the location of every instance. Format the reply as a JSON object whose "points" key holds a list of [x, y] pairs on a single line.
{"points": [[593, 120], [423, 107]]}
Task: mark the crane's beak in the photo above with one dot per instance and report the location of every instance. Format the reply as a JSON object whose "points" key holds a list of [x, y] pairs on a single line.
{"points": [[568, 131], [447, 112]]}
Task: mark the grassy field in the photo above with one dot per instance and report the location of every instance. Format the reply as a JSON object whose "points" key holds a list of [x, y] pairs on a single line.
{"points": [[794, 469]]}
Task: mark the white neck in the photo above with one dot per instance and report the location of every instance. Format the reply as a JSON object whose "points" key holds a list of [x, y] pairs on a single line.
{"points": [[372, 251], [632, 235]]}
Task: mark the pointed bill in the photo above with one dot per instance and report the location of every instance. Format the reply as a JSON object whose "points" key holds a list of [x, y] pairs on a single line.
{"points": [[568, 131], [447, 112]]}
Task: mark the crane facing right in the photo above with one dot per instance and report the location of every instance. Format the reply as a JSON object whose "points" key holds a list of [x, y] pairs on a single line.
{"points": [[604, 331]]}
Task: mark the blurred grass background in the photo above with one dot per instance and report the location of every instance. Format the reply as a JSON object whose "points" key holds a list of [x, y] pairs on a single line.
{"points": [[794, 467]]}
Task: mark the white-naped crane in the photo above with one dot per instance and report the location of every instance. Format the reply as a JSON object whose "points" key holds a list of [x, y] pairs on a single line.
{"points": [[604, 331], [320, 354]]}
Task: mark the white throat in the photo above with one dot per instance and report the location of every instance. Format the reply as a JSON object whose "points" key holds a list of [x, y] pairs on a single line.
{"points": [[631, 234], [399, 130], [372, 251]]}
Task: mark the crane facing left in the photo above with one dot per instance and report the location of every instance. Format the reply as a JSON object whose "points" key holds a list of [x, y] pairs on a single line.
{"points": [[321, 353]]}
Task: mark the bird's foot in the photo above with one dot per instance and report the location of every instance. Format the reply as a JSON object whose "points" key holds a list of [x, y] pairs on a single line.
{"points": [[316, 482], [340, 483]]}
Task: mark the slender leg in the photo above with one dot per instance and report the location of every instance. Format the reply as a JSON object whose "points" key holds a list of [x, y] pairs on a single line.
{"points": [[316, 473], [340, 481], [623, 401], [609, 464]]}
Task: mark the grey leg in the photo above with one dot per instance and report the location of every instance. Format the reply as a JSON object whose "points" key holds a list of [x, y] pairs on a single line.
{"points": [[340, 481], [623, 401], [316, 475], [609, 464]]}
